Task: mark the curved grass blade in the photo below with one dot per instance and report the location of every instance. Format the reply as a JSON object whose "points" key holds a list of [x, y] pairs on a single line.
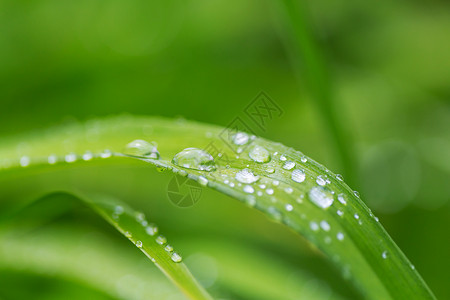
{"points": [[144, 235], [281, 182]]}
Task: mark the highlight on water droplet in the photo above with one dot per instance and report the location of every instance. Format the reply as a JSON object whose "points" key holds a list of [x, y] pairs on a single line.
{"points": [[194, 158], [384, 255], [321, 180], [259, 154], [289, 207], [142, 148], [246, 176], [340, 236], [321, 196]]}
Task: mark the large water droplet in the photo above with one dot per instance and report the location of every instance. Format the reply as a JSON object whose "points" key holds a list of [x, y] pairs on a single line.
{"points": [[240, 138], [246, 176], [193, 158], [298, 175], [142, 148], [321, 196], [259, 154]]}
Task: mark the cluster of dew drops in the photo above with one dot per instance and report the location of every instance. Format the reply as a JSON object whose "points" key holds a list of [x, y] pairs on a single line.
{"points": [[152, 230], [198, 159]]}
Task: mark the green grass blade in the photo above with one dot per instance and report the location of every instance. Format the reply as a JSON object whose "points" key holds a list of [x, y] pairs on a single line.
{"points": [[319, 206]]}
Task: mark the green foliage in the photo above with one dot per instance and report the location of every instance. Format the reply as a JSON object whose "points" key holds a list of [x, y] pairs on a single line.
{"points": [[279, 181]]}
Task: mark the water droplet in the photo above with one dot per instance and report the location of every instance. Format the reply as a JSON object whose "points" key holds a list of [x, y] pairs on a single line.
{"points": [[275, 182], [270, 170], [341, 198], [340, 236], [70, 158], [274, 213], [288, 207], [194, 158], [246, 176], [269, 191], [313, 226], [325, 226], [356, 216], [176, 257], [161, 240], [259, 154], [303, 159], [298, 175], [356, 193], [127, 234], [106, 153], [240, 138], [340, 213], [413, 267], [139, 216], [321, 197], [289, 190], [24, 161], [202, 180], [151, 229], [52, 159], [248, 189], [251, 200], [289, 165], [339, 177], [142, 148], [384, 255], [118, 210], [139, 244], [321, 180], [283, 158], [168, 248], [87, 156], [376, 219]]}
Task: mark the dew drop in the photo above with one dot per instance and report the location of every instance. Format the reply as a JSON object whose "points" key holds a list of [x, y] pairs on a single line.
{"points": [[289, 165], [106, 153], [269, 191], [313, 226], [283, 158], [24, 161], [270, 170], [341, 198], [52, 159], [298, 175], [274, 213], [202, 180], [356, 216], [87, 156], [176, 257], [384, 255], [356, 193], [127, 234], [339, 177], [168, 248], [259, 154], [325, 226], [142, 148], [240, 138], [151, 229], [275, 182], [288, 207], [321, 180], [246, 176], [249, 189], [321, 197], [340, 213], [289, 190], [340, 236], [161, 240], [303, 159], [194, 158], [139, 244], [70, 158]]}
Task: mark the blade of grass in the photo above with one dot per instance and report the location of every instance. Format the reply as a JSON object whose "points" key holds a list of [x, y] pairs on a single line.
{"points": [[312, 201]]}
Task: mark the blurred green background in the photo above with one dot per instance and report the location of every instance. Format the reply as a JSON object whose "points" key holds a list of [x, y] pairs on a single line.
{"points": [[389, 64]]}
